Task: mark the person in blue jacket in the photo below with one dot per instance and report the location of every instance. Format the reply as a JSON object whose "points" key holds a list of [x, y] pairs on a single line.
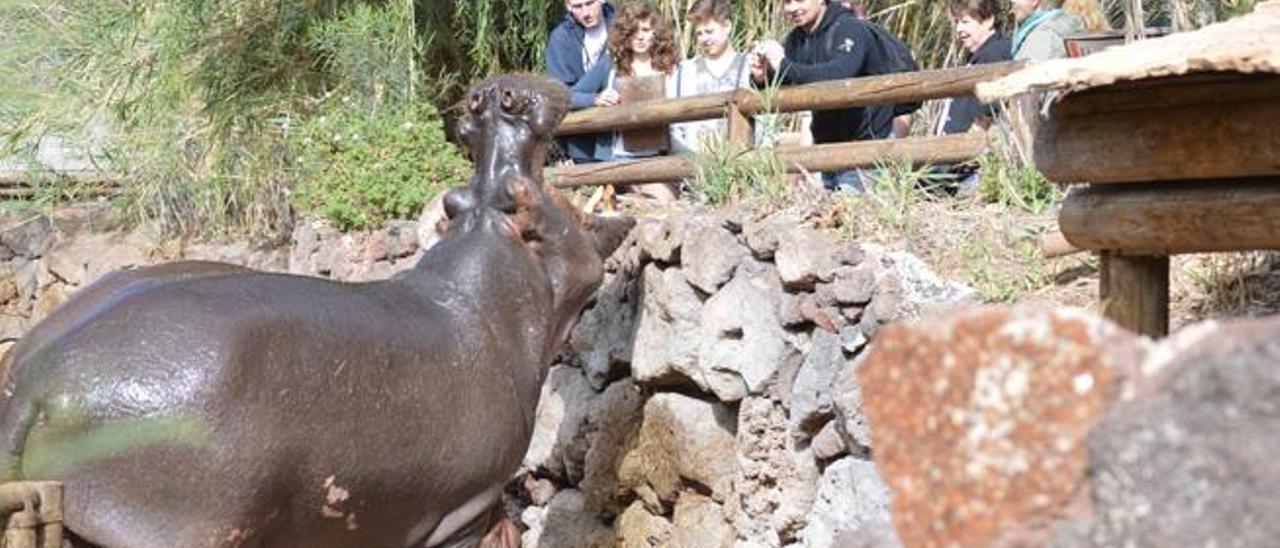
{"points": [[578, 57], [828, 42]]}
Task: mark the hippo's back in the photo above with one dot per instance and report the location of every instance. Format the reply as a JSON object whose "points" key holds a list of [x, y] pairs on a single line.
{"points": [[212, 406]]}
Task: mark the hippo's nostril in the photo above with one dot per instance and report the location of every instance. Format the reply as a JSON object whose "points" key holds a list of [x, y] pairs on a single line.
{"points": [[474, 104], [508, 100]]}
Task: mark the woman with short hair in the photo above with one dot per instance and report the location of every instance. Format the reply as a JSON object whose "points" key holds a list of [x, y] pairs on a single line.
{"points": [[977, 25]]}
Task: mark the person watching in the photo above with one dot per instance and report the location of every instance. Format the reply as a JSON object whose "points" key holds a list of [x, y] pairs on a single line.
{"points": [[977, 26], [717, 67], [578, 58], [828, 42], [644, 53], [1042, 29]]}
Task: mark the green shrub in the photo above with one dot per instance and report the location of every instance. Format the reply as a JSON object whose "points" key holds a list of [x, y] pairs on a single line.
{"points": [[359, 168], [375, 149]]}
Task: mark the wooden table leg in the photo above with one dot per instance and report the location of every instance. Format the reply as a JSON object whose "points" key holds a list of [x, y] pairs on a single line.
{"points": [[1135, 292]]}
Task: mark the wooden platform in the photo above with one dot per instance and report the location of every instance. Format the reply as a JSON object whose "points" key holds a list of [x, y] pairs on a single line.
{"points": [[1181, 164], [1171, 145]]}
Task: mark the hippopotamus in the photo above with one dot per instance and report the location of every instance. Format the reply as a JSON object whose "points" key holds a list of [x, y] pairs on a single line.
{"points": [[204, 404]]}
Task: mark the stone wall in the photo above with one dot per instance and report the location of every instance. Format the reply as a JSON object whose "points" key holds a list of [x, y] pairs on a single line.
{"points": [[709, 396], [722, 389], [45, 258], [706, 397]]}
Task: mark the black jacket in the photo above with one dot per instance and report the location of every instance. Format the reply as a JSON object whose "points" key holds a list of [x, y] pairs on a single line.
{"points": [[840, 47], [964, 110]]}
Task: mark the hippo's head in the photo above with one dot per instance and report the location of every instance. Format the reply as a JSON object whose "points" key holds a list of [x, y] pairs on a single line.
{"points": [[509, 124]]}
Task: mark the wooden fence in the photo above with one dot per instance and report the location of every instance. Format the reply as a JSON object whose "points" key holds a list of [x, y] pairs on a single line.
{"points": [[738, 107]]}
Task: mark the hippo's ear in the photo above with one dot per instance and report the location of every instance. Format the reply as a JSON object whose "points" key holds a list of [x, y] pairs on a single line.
{"points": [[550, 104], [471, 106]]}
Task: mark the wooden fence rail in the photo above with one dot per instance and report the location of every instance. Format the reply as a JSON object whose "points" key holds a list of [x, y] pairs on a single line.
{"points": [[916, 152], [902, 87]]}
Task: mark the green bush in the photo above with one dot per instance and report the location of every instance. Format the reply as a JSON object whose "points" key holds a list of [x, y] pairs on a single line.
{"points": [[359, 168], [375, 148]]}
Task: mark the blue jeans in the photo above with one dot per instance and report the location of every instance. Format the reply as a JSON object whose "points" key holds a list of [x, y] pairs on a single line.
{"points": [[849, 179]]}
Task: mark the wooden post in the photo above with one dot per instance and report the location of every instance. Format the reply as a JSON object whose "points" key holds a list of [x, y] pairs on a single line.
{"points": [[740, 130], [34, 514], [1135, 292], [1135, 21]]}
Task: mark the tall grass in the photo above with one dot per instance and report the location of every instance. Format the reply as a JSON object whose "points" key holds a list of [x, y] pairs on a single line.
{"points": [[196, 99], [964, 238]]}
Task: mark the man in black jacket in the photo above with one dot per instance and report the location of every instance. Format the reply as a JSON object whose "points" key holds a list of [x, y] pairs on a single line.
{"points": [[828, 42]]}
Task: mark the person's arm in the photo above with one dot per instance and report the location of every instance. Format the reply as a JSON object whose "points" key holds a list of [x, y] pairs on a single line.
{"points": [[559, 65], [851, 41], [591, 84]]}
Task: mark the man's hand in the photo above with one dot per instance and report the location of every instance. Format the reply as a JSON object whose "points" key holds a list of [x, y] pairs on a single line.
{"points": [[607, 98], [759, 68], [772, 51]]}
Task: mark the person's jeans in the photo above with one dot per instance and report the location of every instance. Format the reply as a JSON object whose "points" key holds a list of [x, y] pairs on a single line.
{"points": [[850, 180]]}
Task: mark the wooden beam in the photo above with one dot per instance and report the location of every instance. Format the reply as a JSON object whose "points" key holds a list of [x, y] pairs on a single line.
{"points": [[1054, 245], [1171, 218], [1135, 292], [865, 154], [915, 151], [869, 90], [665, 168], [740, 129], [1198, 127], [902, 87], [21, 178]]}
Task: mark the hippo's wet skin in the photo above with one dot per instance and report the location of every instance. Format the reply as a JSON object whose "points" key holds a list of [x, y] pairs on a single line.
{"points": [[199, 404]]}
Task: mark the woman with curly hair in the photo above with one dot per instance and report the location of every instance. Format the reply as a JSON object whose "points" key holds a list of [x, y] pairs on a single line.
{"points": [[642, 42], [644, 59]]}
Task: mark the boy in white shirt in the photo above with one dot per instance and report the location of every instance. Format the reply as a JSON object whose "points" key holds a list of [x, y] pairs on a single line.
{"points": [[716, 68]]}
